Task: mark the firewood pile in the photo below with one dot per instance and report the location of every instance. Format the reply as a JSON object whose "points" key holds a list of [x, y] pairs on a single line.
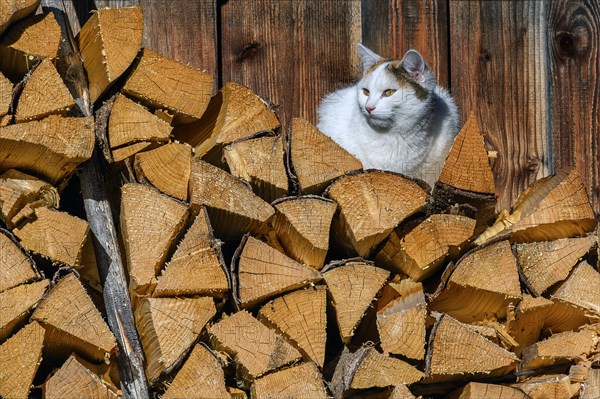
{"points": [[264, 262]]}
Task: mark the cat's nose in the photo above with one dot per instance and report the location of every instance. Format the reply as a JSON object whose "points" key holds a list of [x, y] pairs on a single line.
{"points": [[370, 108]]}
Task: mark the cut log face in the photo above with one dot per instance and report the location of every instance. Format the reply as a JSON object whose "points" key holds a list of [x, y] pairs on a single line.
{"points": [[73, 323], [302, 225], [196, 267], [259, 161], [353, 286], [167, 168], [73, 380], [255, 348], [263, 272], [477, 390], [14, 10], [316, 170], [303, 382], [553, 386], [371, 204], [300, 317], [168, 328], [527, 324], [122, 153], [558, 348], [591, 387], [201, 377], [15, 267], [482, 285], [581, 290], [160, 82], [545, 263], [150, 223], [16, 303], [109, 42], [423, 251], [6, 88], [23, 352], [232, 206], [35, 37]]}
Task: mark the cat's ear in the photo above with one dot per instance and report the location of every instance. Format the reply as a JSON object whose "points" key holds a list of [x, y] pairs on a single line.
{"points": [[368, 57], [414, 64]]}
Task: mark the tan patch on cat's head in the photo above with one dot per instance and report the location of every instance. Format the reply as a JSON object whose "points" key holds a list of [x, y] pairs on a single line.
{"points": [[396, 69]]}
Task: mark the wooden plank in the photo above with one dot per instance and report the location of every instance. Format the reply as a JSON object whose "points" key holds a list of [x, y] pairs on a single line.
{"points": [[574, 45], [498, 69], [291, 52]]}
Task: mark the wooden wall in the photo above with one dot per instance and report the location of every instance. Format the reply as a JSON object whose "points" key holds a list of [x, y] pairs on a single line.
{"points": [[529, 69]]}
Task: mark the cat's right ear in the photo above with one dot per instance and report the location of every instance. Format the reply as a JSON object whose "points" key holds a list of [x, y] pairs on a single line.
{"points": [[368, 57]]}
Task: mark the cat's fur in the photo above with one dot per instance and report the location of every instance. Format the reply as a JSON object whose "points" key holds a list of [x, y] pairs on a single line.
{"points": [[409, 131]]}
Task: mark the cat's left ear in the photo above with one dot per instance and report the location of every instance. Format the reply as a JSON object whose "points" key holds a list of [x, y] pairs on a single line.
{"points": [[368, 57], [414, 64]]}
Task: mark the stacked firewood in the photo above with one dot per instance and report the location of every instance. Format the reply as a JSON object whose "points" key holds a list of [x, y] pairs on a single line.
{"points": [[264, 262]]}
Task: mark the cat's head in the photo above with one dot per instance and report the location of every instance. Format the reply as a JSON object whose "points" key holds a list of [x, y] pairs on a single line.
{"points": [[393, 90]]}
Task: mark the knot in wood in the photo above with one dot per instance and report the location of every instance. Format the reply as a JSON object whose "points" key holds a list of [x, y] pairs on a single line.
{"points": [[249, 51], [573, 43], [485, 56]]}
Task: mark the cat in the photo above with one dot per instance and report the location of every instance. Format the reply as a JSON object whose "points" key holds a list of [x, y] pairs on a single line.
{"points": [[394, 118]]}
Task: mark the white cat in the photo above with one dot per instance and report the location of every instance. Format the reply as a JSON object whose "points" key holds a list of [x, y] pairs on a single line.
{"points": [[395, 118]]}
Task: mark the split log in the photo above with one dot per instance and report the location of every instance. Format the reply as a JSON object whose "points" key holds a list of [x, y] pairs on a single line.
{"points": [[591, 386], [168, 328], [263, 272], [168, 168], [232, 206], [23, 353], [73, 381], [6, 89], [150, 224], [51, 148], [562, 347], [259, 161], [423, 250], [44, 94], [553, 207], [109, 42], [396, 392], [15, 266], [32, 38], [233, 114], [14, 10], [526, 324], [371, 204], [302, 225], [314, 171], [478, 390], [303, 382], [553, 386], [352, 286], [16, 305], [72, 323], [160, 82], [300, 317], [122, 153], [197, 266], [254, 348]]}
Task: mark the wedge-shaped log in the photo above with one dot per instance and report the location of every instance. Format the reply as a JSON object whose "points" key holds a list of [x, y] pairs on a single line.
{"points": [[553, 207], [168, 168], [232, 206], [74, 380], [44, 94], [422, 251], [201, 377], [14, 10], [371, 205], [198, 254], [20, 357], [477, 390], [255, 348], [168, 328], [16, 305], [51, 148], [109, 42], [234, 113], [119, 154], [150, 223], [315, 170], [15, 266], [591, 387], [482, 285], [549, 386], [302, 381], [366, 368], [562, 347], [300, 316], [55, 235], [131, 122], [456, 350], [263, 272], [352, 286], [73, 323], [160, 82], [401, 319], [259, 161], [35, 37], [546, 263], [525, 326], [302, 225], [6, 88]]}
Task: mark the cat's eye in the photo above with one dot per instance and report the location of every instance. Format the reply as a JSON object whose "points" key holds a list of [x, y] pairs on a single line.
{"points": [[366, 92], [389, 92]]}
